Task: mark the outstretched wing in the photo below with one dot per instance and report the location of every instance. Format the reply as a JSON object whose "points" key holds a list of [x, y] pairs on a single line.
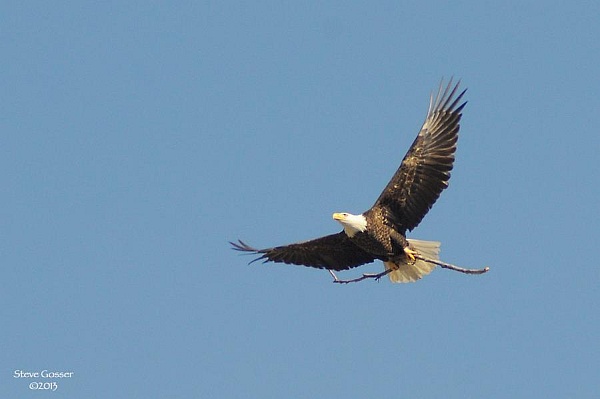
{"points": [[425, 169], [333, 252]]}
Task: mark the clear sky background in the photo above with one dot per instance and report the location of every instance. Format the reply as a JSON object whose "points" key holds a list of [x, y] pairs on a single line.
{"points": [[139, 137]]}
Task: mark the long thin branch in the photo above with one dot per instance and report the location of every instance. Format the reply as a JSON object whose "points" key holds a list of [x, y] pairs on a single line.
{"points": [[365, 276], [452, 267], [377, 276]]}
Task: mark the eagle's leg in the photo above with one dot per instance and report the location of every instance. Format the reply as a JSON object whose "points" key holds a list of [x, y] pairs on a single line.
{"points": [[365, 276], [335, 278], [400, 240]]}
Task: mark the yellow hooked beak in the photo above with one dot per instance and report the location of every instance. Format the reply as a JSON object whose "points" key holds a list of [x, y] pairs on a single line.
{"points": [[339, 216]]}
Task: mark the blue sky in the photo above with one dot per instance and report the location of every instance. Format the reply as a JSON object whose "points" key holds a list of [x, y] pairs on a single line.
{"points": [[138, 138]]}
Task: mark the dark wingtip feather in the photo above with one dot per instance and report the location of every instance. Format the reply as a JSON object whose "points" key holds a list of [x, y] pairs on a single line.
{"points": [[443, 101], [243, 247]]}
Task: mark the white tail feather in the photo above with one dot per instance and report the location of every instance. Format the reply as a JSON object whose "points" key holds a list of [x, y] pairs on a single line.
{"points": [[405, 272]]}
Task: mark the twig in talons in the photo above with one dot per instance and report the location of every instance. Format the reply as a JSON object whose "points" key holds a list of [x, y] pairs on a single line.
{"points": [[377, 276], [452, 267], [365, 276]]}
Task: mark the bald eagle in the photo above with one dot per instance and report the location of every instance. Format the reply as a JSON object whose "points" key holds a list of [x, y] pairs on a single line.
{"points": [[380, 232]]}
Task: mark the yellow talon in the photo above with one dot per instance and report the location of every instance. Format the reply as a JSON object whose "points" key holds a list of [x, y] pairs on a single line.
{"points": [[410, 253]]}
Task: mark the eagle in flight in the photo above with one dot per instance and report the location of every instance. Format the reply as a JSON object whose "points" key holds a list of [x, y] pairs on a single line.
{"points": [[380, 232]]}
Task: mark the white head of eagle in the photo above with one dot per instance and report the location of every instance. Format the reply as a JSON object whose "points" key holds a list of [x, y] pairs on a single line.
{"points": [[352, 223]]}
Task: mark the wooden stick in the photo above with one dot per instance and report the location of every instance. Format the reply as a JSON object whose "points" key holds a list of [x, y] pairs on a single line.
{"points": [[365, 276], [377, 276], [452, 267]]}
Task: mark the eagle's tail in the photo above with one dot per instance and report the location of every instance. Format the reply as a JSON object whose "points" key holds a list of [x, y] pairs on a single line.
{"points": [[404, 272]]}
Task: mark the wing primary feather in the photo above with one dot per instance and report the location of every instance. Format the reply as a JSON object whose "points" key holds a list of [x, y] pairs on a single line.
{"points": [[447, 96], [243, 247]]}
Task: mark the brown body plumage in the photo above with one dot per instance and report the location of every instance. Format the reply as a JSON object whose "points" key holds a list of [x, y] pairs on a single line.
{"points": [[381, 239]]}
